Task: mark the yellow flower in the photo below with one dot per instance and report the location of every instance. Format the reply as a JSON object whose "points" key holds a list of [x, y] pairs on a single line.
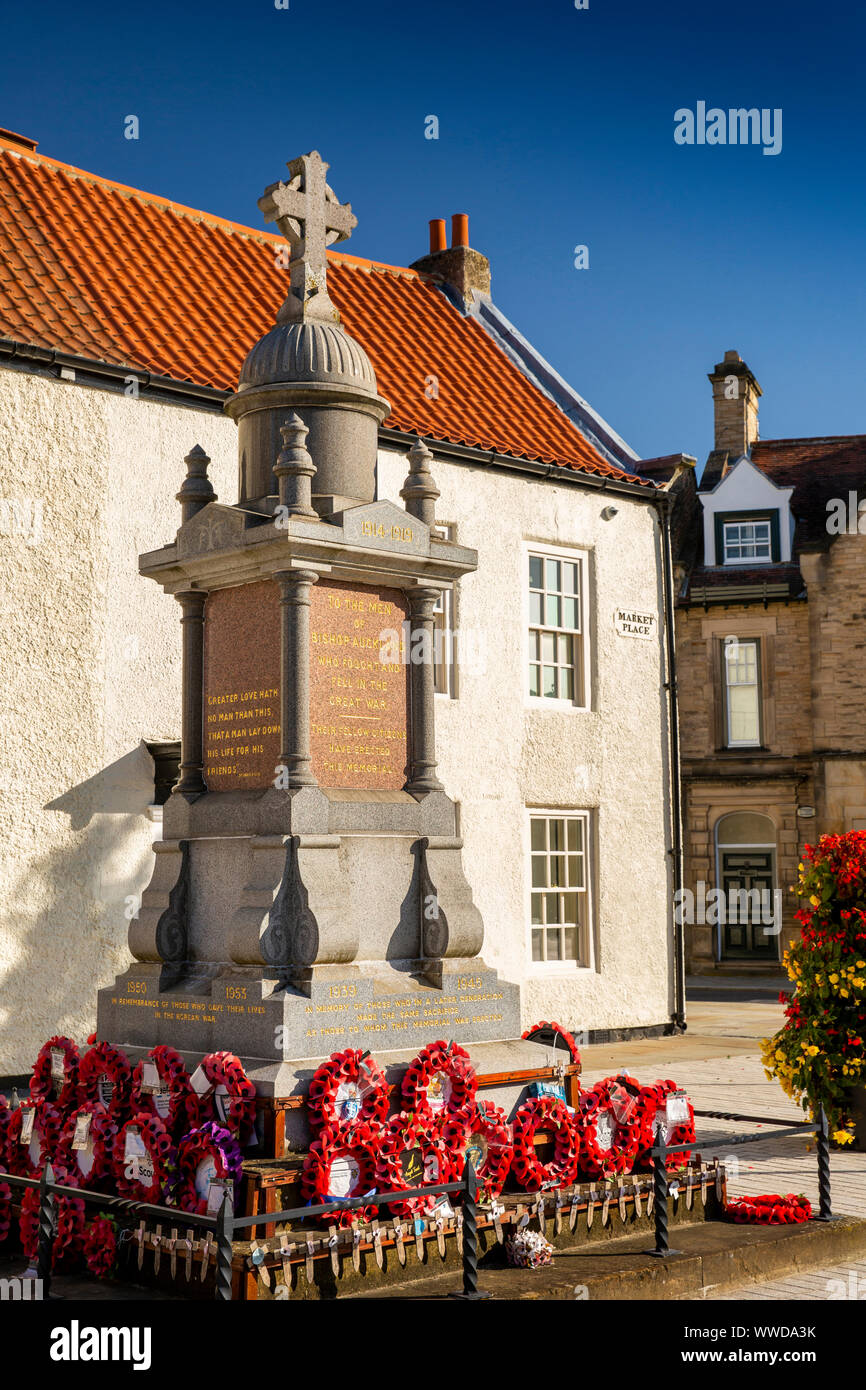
{"points": [[816, 902], [812, 1050], [834, 979], [861, 965], [842, 1136]]}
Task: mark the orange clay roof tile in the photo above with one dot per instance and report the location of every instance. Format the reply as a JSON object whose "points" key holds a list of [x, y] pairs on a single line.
{"points": [[99, 270]]}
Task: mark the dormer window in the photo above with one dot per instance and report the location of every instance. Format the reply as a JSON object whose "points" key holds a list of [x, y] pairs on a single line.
{"points": [[747, 538]]}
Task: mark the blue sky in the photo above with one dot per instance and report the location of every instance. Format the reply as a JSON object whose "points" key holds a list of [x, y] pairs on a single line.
{"points": [[555, 129]]}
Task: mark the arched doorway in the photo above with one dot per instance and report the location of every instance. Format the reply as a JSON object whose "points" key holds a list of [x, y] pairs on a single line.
{"points": [[746, 873]]}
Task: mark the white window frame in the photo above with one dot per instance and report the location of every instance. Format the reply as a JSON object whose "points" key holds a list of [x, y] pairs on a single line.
{"points": [[583, 668], [446, 531], [726, 667], [748, 559], [585, 964]]}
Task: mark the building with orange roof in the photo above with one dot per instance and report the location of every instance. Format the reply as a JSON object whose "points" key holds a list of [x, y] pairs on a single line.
{"points": [[124, 321]]}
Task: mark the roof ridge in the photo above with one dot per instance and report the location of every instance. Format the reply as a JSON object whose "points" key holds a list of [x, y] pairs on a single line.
{"points": [[806, 439], [185, 210]]}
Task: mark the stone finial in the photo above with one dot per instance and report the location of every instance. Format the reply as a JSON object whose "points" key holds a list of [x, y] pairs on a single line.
{"points": [[196, 491], [419, 492], [294, 468], [307, 212]]}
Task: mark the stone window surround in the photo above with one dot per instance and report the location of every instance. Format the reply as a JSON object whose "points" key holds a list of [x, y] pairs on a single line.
{"points": [[583, 667], [728, 686], [714, 631], [587, 947]]}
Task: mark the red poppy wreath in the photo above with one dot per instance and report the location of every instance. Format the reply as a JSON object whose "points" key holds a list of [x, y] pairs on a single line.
{"points": [[100, 1246], [342, 1165], [769, 1210], [545, 1114], [42, 1132], [55, 1073], [440, 1083], [348, 1089], [655, 1123], [5, 1210], [204, 1156], [144, 1159], [609, 1119], [173, 1101], [232, 1101], [412, 1153], [68, 1230], [555, 1036], [105, 1078], [85, 1149], [486, 1135]]}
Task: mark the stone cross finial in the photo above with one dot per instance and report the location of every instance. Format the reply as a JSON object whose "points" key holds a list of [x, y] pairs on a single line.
{"points": [[308, 214], [419, 492], [294, 468]]}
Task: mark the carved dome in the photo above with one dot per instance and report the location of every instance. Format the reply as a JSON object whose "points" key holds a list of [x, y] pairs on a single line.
{"points": [[309, 351]]}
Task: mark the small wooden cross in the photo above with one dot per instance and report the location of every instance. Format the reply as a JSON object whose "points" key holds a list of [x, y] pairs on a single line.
{"points": [[308, 214]]}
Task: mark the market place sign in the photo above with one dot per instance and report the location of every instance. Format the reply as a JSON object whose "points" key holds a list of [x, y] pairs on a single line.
{"points": [[635, 622]]}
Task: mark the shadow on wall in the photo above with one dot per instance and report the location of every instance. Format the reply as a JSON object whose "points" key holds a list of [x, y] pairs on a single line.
{"points": [[68, 913]]}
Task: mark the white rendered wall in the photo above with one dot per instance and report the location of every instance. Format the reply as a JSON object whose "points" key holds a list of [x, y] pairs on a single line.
{"points": [[91, 669]]}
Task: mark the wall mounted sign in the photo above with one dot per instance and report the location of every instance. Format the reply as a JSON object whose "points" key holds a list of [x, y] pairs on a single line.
{"points": [[635, 622]]}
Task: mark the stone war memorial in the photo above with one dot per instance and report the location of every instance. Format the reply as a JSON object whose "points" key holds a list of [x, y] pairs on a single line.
{"points": [[308, 1019], [309, 894]]}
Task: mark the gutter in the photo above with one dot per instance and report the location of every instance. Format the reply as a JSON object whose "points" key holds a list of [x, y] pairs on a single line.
{"points": [[91, 371], [664, 505]]}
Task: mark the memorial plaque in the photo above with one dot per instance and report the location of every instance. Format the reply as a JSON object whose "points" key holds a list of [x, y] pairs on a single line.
{"points": [[358, 702], [242, 687]]}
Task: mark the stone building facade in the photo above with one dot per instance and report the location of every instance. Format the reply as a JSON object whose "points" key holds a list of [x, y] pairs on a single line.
{"points": [[771, 671], [123, 324]]}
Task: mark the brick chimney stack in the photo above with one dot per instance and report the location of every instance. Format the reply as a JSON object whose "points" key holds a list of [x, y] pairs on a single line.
{"points": [[464, 271], [735, 404]]}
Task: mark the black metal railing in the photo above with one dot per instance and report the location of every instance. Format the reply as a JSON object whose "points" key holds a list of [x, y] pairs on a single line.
{"points": [[661, 1181], [225, 1225]]}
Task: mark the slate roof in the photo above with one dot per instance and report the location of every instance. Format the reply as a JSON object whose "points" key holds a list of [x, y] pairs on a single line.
{"points": [[112, 274], [818, 470]]}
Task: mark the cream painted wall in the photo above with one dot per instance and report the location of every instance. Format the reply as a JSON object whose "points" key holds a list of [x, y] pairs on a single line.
{"points": [[91, 668], [498, 754]]}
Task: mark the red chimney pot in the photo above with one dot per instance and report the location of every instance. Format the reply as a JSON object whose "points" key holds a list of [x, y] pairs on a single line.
{"points": [[460, 229], [437, 235]]}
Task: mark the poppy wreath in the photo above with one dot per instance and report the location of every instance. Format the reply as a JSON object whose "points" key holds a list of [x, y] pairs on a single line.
{"points": [[609, 1144], [225, 1069], [209, 1141], [489, 1122], [182, 1110], [159, 1149], [357, 1147], [105, 1060], [404, 1134], [440, 1083], [769, 1210], [68, 1230], [545, 1112], [102, 1137], [5, 1117], [350, 1087], [100, 1246], [5, 1210], [42, 1083], [545, 1028], [47, 1124], [653, 1100]]}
